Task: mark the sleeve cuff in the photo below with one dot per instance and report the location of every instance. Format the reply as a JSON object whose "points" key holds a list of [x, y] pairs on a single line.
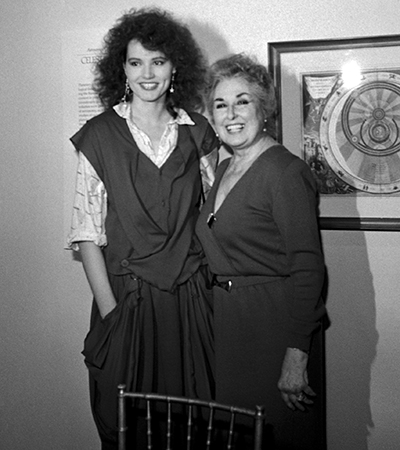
{"points": [[73, 240]]}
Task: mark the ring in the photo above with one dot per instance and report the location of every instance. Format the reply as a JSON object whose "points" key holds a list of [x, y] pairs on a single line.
{"points": [[301, 397]]}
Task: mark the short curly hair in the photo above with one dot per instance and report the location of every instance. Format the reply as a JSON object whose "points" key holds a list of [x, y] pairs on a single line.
{"points": [[243, 66], [156, 30]]}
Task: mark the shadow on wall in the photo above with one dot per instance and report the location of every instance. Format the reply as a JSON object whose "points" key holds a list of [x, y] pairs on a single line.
{"points": [[351, 338], [214, 47], [209, 39]]}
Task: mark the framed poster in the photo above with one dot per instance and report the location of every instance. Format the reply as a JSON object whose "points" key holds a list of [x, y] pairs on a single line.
{"points": [[339, 110]]}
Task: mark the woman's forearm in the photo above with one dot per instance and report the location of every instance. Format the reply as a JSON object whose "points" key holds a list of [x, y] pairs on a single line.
{"points": [[96, 273]]}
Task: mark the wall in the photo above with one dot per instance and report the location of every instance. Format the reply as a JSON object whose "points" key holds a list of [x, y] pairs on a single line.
{"points": [[44, 296]]}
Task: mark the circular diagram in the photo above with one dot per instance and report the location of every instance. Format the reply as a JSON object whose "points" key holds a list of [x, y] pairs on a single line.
{"points": [[360, 133]]}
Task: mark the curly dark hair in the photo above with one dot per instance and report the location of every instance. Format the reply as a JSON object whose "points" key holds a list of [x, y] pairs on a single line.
{"points": [[156, 30], [243, 66]]}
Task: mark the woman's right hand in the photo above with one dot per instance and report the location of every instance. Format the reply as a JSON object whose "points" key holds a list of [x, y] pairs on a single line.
{"points": [[293, 382]]}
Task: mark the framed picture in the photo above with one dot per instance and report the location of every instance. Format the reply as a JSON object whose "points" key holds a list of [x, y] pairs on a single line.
{"points": [[339, 110]]}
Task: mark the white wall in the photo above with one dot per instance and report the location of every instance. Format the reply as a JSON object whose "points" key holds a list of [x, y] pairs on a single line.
{"points": [[44, 296]]}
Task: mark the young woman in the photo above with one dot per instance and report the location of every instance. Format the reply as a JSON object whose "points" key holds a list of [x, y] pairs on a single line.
{"points": [[139, 187]]}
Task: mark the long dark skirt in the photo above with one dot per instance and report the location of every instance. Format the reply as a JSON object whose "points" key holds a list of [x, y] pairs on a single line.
{"points": [[153, 341], [251, 335]]}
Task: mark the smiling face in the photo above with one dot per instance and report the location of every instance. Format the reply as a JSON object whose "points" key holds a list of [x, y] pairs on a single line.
{"points": [[149, 73], [236, 115]]}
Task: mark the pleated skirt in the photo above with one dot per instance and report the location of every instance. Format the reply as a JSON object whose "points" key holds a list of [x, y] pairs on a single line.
{"points": [[153, 341]]}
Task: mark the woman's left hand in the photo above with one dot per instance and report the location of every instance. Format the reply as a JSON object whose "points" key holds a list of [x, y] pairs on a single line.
{"points": [[293, 382]]}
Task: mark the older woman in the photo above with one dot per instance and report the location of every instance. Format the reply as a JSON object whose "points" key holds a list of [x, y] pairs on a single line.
{"points": [[259, 232], [138, 192]]}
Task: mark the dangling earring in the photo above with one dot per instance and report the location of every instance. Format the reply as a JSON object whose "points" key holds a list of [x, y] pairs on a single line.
{"points": [[171, 87], [128, 91], [265, 125]]}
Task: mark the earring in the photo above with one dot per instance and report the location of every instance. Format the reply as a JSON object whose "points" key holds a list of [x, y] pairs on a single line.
{"points": [[127, 92], [171, 87], [265, 125]]}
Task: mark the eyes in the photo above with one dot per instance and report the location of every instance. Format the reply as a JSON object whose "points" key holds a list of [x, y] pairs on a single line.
{"points": [[155, 62], [238, 104]]}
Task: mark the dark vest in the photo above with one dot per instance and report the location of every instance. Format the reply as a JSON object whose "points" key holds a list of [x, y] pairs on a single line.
{"points": [[151, 212]]}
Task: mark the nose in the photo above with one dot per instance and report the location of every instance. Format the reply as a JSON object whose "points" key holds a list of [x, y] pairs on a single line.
{"points": [[148, 71], [231, 112]]}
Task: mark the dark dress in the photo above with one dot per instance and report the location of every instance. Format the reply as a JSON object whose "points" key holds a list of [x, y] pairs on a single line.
{"points": [[159, 336], [264, 240]]}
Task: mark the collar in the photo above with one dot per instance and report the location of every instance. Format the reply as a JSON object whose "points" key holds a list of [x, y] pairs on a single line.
{"points": [[182, 118]]}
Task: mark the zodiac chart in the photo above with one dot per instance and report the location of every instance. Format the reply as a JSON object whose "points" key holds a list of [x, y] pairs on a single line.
{"points": [[351, 135]]}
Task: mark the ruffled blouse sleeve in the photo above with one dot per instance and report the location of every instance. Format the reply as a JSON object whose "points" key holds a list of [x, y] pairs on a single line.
{"points": [[90, 207]]}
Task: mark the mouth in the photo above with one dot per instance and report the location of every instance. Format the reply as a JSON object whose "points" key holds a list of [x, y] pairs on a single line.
{"points": [[148, 86], [234, 128]]}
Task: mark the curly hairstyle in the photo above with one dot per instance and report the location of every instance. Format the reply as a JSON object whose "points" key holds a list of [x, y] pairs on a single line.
{"points": [[156, 30], [248, 68]]}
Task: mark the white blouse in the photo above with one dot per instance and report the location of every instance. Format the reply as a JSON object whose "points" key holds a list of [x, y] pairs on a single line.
{"points": [[90, 200]]}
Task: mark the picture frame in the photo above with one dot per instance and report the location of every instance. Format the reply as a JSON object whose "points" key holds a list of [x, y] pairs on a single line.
{"points": [[338, 108]]}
